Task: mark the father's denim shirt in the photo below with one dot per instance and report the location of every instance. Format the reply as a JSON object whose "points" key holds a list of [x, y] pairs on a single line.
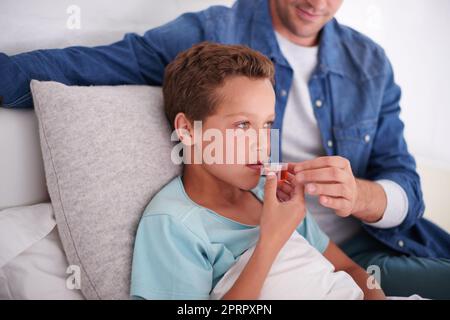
{"points": [[354, 81]]}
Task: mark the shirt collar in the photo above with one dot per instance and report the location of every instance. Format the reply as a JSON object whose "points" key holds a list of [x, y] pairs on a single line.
{"points": [[332, 57]]}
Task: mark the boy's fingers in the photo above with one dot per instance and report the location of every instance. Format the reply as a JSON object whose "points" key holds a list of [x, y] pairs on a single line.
{"points": [[283, 196], [270, 188], [298, 194], [291, 178], [285, 187]]}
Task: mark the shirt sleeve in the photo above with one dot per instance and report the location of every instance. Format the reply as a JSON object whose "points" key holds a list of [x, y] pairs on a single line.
{"points": [[396, 206], [311, 231], [135, 59], [169, 261]]}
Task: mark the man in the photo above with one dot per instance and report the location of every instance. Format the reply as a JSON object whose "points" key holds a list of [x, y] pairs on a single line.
{"points": [[337, 107]]}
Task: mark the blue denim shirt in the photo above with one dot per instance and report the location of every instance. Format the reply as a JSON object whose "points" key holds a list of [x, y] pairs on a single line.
{"points": [[354, 81]]}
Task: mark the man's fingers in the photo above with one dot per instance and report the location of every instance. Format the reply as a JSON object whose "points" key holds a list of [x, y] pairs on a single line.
{"points": [[343, 207], [321, 162], [291, 167], [329, 174], [332, 190]]}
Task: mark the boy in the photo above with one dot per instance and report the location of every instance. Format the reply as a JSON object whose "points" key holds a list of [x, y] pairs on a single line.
{"points": [[199, 224]]}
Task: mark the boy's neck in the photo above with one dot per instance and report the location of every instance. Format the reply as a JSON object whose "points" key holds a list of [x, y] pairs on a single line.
{"points": [[203, 188]]}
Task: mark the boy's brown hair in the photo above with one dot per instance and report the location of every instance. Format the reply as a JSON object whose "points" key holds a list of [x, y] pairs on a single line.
{"points": [[190, 81]]}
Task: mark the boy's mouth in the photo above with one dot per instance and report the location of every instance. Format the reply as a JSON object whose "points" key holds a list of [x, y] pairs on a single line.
{"points": [[255, 166]]}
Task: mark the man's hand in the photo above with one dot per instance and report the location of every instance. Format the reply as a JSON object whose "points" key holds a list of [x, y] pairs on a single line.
{"points": [[331, 178]]}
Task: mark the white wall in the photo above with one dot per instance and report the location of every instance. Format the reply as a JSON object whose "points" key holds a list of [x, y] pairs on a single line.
{"points": [[32, 24], [415, 35]]}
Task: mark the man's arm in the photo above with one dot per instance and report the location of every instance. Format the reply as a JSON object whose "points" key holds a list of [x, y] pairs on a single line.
{"points": [[332, 178], [390, 158], [133, 60]]}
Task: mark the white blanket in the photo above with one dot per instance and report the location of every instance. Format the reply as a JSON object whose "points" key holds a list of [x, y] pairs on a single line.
{"points": [[298, 272]]}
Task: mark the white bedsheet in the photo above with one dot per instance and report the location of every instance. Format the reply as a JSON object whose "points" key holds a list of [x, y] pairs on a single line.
{"points": [[299, 272]]}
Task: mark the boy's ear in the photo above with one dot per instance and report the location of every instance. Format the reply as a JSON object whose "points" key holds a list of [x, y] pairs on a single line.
{"points": [[183, 127]]}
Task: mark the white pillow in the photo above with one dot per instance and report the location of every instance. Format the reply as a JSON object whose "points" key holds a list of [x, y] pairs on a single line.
{"points": [[33, 264], [21, 227]]}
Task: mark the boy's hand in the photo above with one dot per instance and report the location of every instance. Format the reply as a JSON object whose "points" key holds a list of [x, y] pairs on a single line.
{"points": [[280, 219], [286, 188]]}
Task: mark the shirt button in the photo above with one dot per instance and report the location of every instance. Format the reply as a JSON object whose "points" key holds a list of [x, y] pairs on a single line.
{"points": [[401, 244], [283, 93], [319, 103], [330, 143], [367, 138]]}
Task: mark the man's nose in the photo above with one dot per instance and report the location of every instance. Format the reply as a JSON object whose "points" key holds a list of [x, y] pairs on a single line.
{"points": [[318, 5]]}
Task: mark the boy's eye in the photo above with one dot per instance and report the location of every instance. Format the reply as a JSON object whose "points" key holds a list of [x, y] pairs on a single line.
{"points": [[243, 125], [268, 125]]}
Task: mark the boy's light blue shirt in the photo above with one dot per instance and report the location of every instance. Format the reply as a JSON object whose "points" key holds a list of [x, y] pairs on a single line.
{"points": [[182, 249]]}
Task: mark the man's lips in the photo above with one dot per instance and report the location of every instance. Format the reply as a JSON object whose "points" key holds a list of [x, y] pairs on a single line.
{"points": [[306, 15]]}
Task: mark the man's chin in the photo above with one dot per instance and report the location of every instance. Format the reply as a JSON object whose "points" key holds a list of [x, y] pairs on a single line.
{"points": [[306, 30]]}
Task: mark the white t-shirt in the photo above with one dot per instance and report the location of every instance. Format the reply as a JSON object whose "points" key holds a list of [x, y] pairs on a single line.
{"points": [[301, 135]]}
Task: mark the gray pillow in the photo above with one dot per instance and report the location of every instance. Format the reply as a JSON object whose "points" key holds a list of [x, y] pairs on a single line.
{"points": [[106, 152]]}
